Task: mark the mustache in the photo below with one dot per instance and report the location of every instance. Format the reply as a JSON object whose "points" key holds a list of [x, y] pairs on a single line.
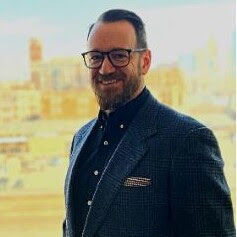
{"points": [[108, 77]]}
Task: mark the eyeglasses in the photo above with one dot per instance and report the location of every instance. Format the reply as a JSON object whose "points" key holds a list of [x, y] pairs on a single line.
{"points": [[117, 57]]}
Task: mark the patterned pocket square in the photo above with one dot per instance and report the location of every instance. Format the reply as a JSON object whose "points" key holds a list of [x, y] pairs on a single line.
{"points": [[137, 182]]}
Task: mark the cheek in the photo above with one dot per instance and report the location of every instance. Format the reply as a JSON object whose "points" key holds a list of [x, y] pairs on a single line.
{"points": [[135, 65], [93, 73], [132, 69]]}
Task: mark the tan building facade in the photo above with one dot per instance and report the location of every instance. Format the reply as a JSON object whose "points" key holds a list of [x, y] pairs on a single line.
{"points": [[167, 84], [19, 104], [59, 74], [68, 104]]}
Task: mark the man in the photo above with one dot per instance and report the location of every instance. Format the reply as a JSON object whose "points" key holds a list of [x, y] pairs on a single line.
{"points": [[140, 169]]}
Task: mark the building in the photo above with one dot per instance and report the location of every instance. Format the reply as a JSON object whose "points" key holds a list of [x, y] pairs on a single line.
{"points": [[19, 104], [35, 54], [13, 145], [7, 106], [167, 84], [59, 73], [68, 104]]}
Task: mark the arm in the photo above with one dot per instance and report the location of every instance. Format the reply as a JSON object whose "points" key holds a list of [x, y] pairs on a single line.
{"points": [[199, 195]]}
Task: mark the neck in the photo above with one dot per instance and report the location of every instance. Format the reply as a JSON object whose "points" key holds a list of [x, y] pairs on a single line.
{"points": [[108, 111]]}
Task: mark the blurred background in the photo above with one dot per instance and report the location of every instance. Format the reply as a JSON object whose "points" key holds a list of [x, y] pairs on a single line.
{"points": [[45, 94]]}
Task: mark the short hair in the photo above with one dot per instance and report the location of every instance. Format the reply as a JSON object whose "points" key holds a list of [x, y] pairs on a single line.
{"points": [[115, 15]]}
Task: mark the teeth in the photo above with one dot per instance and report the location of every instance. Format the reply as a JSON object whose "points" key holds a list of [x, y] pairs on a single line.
{"points": [[109, 82]]}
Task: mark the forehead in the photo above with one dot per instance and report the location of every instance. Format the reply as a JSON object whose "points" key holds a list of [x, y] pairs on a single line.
{"points": [[107, 36]]}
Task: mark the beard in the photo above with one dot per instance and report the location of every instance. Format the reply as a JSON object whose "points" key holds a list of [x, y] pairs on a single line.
{"points": [[114, 97]]}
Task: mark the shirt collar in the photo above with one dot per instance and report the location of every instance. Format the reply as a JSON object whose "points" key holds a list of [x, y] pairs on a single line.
{"points": [[124, 114]]}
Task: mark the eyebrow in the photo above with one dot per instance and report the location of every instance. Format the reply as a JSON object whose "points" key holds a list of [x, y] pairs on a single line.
{"points": [[117, 48]]}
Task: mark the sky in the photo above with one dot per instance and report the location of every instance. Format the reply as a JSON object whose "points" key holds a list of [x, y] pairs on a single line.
{"points": [[174, 28]]}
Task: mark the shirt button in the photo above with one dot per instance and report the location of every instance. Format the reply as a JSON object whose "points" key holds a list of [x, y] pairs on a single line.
{"points": [[106, 143], [89, 202], [121, 126], [96, 172]]}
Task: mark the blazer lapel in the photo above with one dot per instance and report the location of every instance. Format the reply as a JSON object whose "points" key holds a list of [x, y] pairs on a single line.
{"points": [[79, 143], [131, 149]]}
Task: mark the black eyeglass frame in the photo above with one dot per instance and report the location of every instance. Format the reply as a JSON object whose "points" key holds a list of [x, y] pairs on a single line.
{"points": [[108, 55]]}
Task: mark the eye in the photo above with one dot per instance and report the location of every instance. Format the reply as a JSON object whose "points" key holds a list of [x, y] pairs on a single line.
{"points": [[119, 55], [95, 57]]}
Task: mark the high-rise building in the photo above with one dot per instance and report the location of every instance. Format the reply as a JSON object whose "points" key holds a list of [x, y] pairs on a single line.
{"points": [[35, 53], [35, 50]]}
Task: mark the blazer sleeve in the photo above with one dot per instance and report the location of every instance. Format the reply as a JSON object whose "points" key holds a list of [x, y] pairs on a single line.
{"points": [[64, 228], [200, 202], [64, 225]]}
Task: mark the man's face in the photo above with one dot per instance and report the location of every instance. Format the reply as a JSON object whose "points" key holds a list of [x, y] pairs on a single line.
{"points": [[115, 86]]}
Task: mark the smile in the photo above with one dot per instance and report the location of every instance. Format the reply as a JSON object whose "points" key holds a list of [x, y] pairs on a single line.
{"points": [[108, 82]]}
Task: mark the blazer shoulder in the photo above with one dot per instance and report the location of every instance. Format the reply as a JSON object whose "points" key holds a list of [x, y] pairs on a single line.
{"points": [[177, 121], [184, 129]]}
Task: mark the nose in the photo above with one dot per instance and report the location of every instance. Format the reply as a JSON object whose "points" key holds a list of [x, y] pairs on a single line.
{"points": [[106, 67]]}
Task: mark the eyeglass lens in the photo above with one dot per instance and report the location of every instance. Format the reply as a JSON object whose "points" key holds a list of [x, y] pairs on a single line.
{"points": [[117, 58]]}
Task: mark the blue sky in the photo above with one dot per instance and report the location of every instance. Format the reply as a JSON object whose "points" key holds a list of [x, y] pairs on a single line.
{"points": [[174, 27]]}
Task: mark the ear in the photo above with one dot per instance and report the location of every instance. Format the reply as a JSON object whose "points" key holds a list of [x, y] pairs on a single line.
{"points": [[146, 61]]}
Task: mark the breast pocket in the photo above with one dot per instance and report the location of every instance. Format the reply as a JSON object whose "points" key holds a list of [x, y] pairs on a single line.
{"points": [[135, 192]]}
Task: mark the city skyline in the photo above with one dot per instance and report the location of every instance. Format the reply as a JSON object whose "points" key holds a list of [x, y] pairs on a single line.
{"points": [[181, 27], [45, 94]]}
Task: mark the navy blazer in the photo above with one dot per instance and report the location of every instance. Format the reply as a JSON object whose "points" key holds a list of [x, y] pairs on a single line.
{"points": [[165, 178]]}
